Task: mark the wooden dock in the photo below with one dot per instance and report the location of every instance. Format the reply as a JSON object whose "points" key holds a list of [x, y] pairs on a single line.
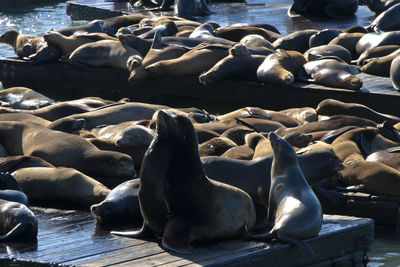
{"points": [[64, 81], [69, 237]]}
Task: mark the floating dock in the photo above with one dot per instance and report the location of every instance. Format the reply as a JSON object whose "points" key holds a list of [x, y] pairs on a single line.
{"points": [[69, 238]]}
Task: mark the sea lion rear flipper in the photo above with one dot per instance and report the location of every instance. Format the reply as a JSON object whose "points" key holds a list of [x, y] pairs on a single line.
{"points": [[298, 243], [144, 232]]}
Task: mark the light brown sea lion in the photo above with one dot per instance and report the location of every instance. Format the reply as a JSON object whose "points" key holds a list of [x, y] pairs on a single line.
{"points": [[389, 157], [302, 115], [280, 67], [330, 107], [67, 44], [62, 149], [294, 211], [380, 66], [93, 26], [234, 67], [395, 72], [374, 52], [348, 41], [105, 53], [229, 219], [17, 222], [236, 33], [206, 32], [193, 62], [297, 41], [216, 146], [157, 52], [121, 205], [318, 52], [25, 118], [49, 186], [237, 134], [331, 73], [332, 123], [24, 44], [239, 152], [256, 41], [23, 98]]}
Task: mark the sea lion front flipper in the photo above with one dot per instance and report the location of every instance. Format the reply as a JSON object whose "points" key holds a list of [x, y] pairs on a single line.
{"points": [[298, 243], [144, 232]]}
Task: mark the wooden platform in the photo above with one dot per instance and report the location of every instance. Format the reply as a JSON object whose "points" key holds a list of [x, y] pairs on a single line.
{"points": [[63, 81], [71, 238]]}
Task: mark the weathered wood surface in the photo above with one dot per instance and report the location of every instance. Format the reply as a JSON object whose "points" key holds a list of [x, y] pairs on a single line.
{"points": [[71, 238], [64, 81]]}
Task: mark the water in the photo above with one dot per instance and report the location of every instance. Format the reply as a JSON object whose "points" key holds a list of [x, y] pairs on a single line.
{"points": [[385, 250]]}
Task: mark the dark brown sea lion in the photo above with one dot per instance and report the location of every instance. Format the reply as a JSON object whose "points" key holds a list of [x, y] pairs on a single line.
{"points": [[111, 25], [371, 40], [332, 123], [215, 146], [23, 98], [62, 149], [330, 107], [93, 26], [348, 41], [60, 186], [318, 52], [387, 20], [182, 193], [374, 52], [323, 37], [13, 163], [11, 190], [17, 222], [294, 211], [298, 41], [120, 205], [343, 8], [389, 157]]}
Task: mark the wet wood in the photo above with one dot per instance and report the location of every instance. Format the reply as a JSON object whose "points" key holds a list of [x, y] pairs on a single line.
{"points": [[69, 237]]}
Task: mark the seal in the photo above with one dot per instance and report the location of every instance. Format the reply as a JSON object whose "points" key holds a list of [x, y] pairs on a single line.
{"points": [[60, 186], [24, 45], [280, 67], [330, 107], [332, 73], [193, 62], [17, 222], [62, 149], [121, 205], [23, 98], [104, 53], [293, 209], [231, 208]]}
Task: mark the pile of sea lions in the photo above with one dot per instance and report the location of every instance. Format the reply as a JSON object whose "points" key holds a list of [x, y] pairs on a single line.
{"points": [[185, 174], [167, 46]]}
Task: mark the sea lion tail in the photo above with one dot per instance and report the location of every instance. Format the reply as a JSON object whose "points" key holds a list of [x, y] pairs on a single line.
{"points": [[298, 243]]}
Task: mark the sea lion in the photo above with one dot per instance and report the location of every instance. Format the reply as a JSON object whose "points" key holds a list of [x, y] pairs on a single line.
{"points": [[330, 107], [104, 53], [112, 114], [237, 134], [24, 45], [93, 26], [236, 33], [387, 20], [395, 72], [111, 25], [323, 37], [378, 51], [331, 73], [120, 205], [378, 6], [11, 190], [298, 41], [25, 118], [216, 146], [280, 67], [293, 209], [17, 222], [239, 152], [62, 149], [332, 123], [23, 98], [180, 200], [60, 186], [371, 40], [190, 8], [318, 52], [389, 157], [302, 115], [167, 28], [237, 67], [380, 66], [254, 41], [67, 44], [206, 32], [193, 62], [13, 163], [348, 41], [343, 8]]}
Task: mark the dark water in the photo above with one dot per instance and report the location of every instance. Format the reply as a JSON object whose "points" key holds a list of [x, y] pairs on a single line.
{"points": [[385, 249]]}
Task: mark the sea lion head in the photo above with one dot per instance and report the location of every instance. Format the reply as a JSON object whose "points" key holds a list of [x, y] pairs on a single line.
{"points": [[283, 151]]}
